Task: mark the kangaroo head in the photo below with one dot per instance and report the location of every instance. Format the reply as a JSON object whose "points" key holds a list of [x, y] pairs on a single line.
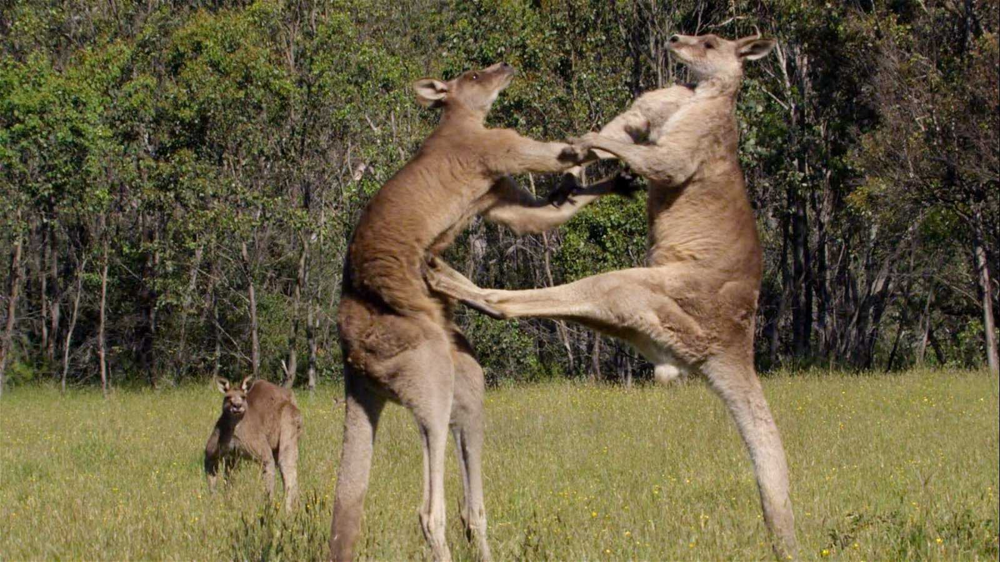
{"points": [[473, 90], [234, 401], [710, 56]]}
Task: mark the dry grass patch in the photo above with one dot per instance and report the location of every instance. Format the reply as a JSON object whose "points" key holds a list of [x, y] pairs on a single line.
{"points": [[883, 467]]}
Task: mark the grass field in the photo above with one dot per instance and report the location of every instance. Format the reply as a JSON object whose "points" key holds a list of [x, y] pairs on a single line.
{"points": [[883, 467]]}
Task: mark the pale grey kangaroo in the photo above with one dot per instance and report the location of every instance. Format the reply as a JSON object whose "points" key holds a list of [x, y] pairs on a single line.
{"points": [[692, 308]]}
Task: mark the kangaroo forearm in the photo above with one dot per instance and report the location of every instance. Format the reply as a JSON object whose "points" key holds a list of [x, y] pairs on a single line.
{"points": [[534, 156], [539, 216], [629, 127], [526, 214], [656, 163], [533, 220], [212, 451], [642, 159], [211, 462], [549, 159]]}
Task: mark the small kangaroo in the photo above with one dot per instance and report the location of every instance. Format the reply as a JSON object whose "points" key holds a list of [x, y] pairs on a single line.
{"points": [[692, 308], [399, 341], [260, 421]]}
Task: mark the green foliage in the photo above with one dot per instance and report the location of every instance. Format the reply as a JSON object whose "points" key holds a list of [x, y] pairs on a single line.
{"points": [[611, 236], [176, 135], [19, 373], [505, 350]]}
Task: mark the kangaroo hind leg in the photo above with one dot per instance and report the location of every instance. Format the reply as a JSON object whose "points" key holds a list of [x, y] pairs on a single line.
{"points": [[288, 454], [422, 379], [737, 384], [363, 407], [467, 418], [430, 401]]}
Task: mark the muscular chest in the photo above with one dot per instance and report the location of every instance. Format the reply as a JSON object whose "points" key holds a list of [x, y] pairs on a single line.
{"points": [[238, 444], [469, 211]]}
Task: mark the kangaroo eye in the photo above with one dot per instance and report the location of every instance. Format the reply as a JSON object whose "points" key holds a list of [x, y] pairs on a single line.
{"points": [[475, 76], [709, 45]]}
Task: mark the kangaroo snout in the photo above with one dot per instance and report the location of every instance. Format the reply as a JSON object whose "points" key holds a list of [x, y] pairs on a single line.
{"points": [[502, 68]]}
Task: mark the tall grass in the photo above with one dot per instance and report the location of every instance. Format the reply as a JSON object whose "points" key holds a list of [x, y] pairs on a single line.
{"points": [[883, 467]]}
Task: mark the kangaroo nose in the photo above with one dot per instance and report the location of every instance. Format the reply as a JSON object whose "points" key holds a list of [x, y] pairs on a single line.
{"points": [[675, 38]]}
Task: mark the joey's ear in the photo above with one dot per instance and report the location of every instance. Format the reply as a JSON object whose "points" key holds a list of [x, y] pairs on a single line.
{"points": [[753, 48], [247, 383], [222, 384], [430, 92]]}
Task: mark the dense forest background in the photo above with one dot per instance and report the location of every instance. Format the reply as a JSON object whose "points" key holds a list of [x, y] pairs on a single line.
{"points": [[178, 179]]}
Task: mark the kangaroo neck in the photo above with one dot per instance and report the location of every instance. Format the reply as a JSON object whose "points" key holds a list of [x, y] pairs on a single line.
{"points": [[458, 115], [719, 87]]}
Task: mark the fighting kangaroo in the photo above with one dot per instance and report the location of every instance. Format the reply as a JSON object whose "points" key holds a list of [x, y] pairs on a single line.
{"points": [[399, 341], [692, 308], [261, 421]]}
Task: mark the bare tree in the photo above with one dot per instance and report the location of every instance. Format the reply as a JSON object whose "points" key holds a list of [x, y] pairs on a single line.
{"points": [[102, 352], [13, 285], [72, 322]]}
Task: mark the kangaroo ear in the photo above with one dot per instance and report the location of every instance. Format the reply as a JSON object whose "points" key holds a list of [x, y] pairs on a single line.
{"points": [[430, 92], [246, 384], [222, 384], [753, 48]]}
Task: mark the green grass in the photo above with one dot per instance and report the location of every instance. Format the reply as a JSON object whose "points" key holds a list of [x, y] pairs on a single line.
{"points": [[883, 467]]}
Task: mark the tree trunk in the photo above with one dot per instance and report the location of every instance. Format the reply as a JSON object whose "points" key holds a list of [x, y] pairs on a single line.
{"points": [[146, 300], [210, 316], [311, 325], [936, 346], [903, 321], [595, 357], [879, 298], [56, 296], [102, 353], [254, 333], [904, 316], [561, 327], [13, 288], [983, 280], [801, 285], [72, 322], [925, 327], [252, 293], [181, 362], [293, 354], [821, 278], [148, 341], [217, 352], [43, 285], [774, 327]]}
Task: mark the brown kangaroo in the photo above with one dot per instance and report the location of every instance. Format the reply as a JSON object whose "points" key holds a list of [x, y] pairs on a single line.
{"points": [[692, 308], [399, 341], [260, 421]]}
